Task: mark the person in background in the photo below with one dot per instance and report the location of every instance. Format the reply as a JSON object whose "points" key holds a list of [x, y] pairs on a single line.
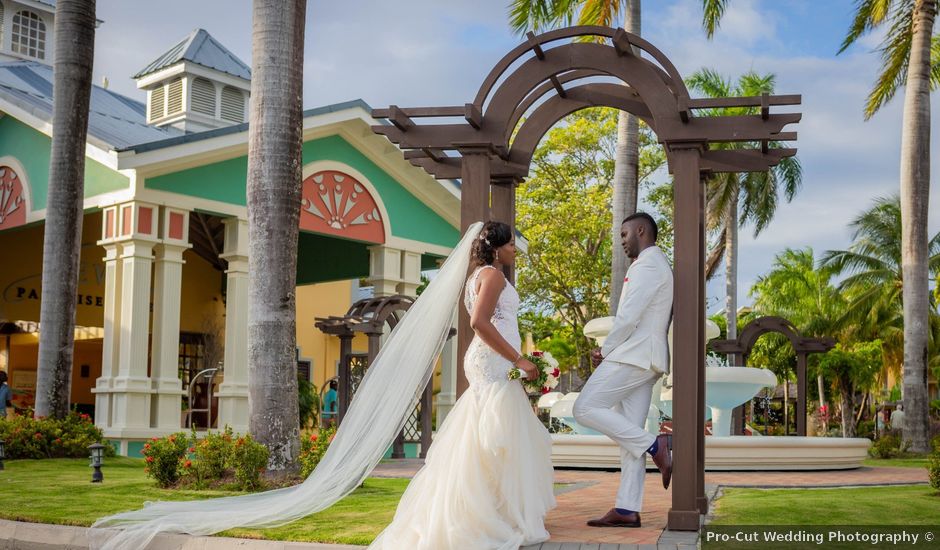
{"points": [[6, 395], [330, 405], [897, 418]]}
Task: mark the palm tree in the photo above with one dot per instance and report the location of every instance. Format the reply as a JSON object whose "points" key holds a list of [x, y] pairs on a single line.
{"points": [[736, 199], [274, 182], [538, 15], [876, 280], [72, 73], [906, 59]]}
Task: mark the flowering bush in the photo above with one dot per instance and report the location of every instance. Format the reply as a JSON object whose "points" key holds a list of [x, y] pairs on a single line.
{"points": [[313, 448], [165, 458], [27, 437], [212, 453], [933, 469], [249, 460]]}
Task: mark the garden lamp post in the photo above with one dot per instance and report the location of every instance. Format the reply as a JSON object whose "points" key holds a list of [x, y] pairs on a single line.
{"points": [[97, 456], [2, 454]]}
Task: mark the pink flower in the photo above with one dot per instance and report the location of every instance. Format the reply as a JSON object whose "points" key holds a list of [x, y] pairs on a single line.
{"points": [[149, 459]]}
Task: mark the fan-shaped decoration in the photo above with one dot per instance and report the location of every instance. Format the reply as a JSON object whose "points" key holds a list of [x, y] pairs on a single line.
{"points": [[12, 202], [334, 203]]}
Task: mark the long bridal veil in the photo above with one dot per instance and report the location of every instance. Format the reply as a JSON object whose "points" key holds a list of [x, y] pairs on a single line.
{"points": [[387, 394]]}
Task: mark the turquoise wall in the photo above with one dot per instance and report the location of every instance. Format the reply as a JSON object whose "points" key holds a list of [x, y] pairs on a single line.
{"points": [[225, 182], [32, 149]]}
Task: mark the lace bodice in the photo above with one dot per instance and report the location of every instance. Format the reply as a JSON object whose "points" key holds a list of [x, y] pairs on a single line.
{"points": [[482, 364]]}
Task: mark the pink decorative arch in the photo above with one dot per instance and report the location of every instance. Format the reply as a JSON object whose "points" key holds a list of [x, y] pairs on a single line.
{"points": [[335, 203], [12, 201]]}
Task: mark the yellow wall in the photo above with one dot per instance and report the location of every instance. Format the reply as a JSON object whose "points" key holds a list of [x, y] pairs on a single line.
{"points": [[21, 274], [202, 309], [323, 300]]}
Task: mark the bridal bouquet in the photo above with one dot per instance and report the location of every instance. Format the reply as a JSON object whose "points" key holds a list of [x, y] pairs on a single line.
{"points": [[548, 373]]}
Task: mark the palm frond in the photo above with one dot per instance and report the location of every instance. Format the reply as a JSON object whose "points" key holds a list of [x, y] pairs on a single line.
{"points": [[895, 55], [868, 15], [712, 12]]}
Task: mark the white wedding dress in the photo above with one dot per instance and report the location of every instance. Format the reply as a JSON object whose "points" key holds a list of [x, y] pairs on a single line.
{"points": [[488, 478]]}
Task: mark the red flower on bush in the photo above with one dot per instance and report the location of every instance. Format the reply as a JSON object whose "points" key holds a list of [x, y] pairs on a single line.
{"points": [[58, 441], [188, 464], [37, 436], [313, 437], [146, 446], [149, 459]]}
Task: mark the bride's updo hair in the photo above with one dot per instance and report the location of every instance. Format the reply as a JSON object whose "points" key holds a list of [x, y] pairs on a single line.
{"points": [[493, 236]]}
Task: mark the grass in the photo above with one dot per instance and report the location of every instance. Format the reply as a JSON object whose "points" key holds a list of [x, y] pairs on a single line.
{"points": [[894, 505], [913, 462], [59, 491]]}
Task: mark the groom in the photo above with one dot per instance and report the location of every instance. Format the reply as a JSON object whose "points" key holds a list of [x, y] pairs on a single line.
{"points": [[616, 399]]}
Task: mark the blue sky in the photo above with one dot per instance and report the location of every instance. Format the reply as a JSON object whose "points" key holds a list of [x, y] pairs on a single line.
{"points": [[432, 52]]}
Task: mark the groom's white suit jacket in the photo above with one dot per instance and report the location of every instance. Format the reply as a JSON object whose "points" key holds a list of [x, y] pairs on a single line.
{"points": [[638, 336]]}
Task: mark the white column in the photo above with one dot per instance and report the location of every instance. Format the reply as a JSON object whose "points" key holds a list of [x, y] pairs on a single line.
{"points": [[385, 270], [410, 273], [131, 388], [112, 325], [164, 375], [233, 392]]}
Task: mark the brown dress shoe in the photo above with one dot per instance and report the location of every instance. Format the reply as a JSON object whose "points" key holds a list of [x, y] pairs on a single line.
{"points": [[663, 457], [613, 518]]}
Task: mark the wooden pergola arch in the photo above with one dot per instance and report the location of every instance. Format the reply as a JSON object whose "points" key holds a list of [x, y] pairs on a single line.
{"points": [[369, 317], [489, 143], [740, 348]]}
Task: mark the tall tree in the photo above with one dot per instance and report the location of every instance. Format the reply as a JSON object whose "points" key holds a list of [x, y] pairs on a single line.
{"points": [[876, 277], [734, 200], [62, 242], [274, 183], [541, 14], [905, 60]]}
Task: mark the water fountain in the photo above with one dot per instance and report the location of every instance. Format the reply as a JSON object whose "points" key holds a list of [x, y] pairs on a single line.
{"points": [[726, 387]]}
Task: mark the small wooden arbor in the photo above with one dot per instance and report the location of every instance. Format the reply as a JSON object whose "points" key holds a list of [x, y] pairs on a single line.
{"points": [[739, 349], [489, 142], [369, 317]]}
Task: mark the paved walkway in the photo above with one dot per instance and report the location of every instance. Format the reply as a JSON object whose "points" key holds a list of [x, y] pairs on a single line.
{"points": [[590, 493]]}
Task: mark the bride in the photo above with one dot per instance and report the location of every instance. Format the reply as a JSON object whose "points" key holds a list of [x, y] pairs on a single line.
{"points": [[487, 480]]}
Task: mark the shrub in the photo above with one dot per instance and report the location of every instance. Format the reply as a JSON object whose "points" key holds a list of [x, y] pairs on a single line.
{"points": [[212, 453], [889, 446], [865, 428], [27, 437], [166, 457], [313, 448], [249, 460], [933, 469]]}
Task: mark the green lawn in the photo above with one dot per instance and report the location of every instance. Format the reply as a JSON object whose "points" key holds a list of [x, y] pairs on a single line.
{"points": [[896, 505], [916, 462], [60, 491]]}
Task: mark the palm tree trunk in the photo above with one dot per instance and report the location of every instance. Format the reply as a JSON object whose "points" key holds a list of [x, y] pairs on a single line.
{"points": [[72, 73], [274, 181], [915, 188], [731, 268], [846, 396], [626, 181], [786, 405]]}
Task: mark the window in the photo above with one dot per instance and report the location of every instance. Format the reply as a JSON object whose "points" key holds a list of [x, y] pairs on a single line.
{"points": [[203, 97], [29, 35], [174, 97], [157, 107], [233, 104]]}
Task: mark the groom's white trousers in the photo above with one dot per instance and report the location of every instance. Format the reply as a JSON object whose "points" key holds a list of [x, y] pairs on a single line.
{"points": [[615, 401]]}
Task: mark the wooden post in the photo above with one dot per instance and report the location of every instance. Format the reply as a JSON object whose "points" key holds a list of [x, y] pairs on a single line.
{"points": [[474, 207], [801, 394], [342, 385], [427, 404], [503, 206], [700, 499], [687, 323]]}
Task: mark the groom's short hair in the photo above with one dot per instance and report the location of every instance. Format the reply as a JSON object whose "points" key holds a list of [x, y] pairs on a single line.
{"points": [[646, 219]]}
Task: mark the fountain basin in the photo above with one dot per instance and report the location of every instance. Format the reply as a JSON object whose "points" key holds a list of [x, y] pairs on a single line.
{"points": [[728, 387], [736, 453]]}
